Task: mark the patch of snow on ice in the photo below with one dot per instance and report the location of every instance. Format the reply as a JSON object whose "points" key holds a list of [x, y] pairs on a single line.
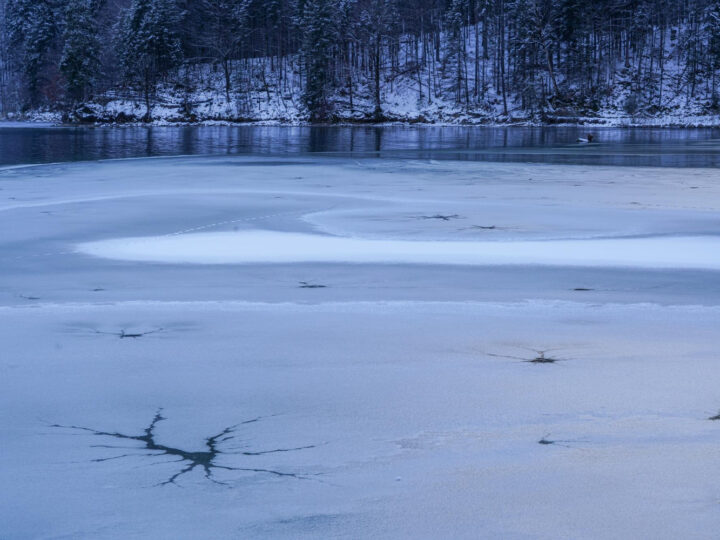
{"points": [[702, 252]]}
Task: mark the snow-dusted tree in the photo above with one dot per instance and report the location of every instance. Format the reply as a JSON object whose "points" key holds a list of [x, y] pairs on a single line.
{"points": [[692, 48], [80, 63], [523, 50], [379, 19], [318, 21], [712, 30], [532, 48], [455, 61], [5, 74], [223, 28], [149, 44], [32, 31]]}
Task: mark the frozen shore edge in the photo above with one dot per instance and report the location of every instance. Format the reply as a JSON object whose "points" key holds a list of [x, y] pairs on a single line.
{"points": [[56, 120]]}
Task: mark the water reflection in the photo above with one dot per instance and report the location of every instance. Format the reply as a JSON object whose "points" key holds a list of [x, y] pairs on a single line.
{"points": [[649, 147]]}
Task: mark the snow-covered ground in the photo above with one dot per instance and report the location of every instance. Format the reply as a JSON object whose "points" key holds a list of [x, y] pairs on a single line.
{"points": [[383, 387], [260, 93]]}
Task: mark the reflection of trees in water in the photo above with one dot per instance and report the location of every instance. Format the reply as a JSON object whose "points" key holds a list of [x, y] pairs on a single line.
{"points": [[649, 147]]}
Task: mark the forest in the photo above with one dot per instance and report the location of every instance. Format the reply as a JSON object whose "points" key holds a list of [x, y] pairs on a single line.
{"points": [[461, 61]]}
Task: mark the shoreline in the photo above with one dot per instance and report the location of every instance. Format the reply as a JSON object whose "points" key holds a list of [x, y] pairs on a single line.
{"points": [[701, 122]]}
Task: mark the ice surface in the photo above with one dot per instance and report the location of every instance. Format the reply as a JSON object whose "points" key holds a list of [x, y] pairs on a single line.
{"points": [[319, 399]]}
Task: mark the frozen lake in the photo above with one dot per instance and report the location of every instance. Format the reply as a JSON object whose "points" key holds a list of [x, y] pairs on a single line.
{"points": [[288, 341]]}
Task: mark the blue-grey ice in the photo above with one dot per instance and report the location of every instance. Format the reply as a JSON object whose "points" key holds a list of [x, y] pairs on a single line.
{"points": [[236, 347]]}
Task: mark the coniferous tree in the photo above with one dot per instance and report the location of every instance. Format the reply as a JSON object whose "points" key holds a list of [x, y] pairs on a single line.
{"points": [[80, 63], [5, 73], [31, 33], [149, 44], [455, 57], [712, 30], [319, 39]]}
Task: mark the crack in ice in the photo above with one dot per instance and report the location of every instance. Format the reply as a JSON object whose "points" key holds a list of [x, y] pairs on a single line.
{"points": [[206, 460]]}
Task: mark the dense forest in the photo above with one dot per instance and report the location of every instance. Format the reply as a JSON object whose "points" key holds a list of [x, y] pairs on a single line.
{"points": [[359, 60]]}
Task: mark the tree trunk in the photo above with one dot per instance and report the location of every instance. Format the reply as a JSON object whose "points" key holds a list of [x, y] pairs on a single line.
{"points": [[378, 108], [551, 71], [226, 71]]}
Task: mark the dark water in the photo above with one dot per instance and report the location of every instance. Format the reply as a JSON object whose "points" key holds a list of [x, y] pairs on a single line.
{"points": [[638, 146]]}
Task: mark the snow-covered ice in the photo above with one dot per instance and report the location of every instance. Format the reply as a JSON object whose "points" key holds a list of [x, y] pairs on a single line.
{"points": [[279, 247], [282, 392]]}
